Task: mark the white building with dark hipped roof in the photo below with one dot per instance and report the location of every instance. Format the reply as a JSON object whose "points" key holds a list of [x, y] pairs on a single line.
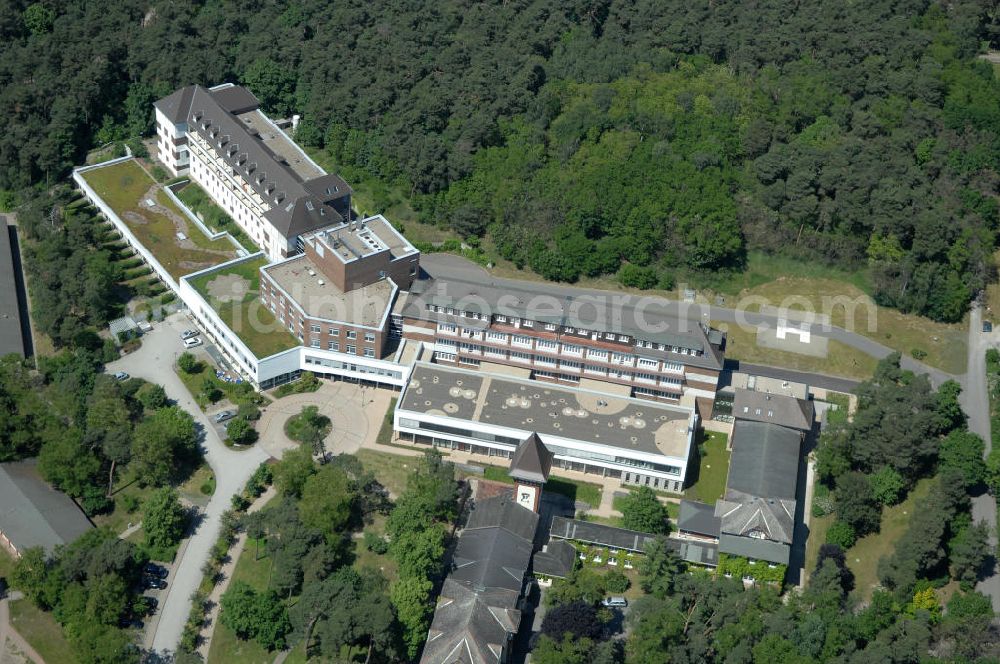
{"points": [[269, 186]]}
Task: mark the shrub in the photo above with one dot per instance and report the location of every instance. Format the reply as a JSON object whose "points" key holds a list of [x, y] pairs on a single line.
{"points": [[634, 276], [159, 173], [188, 364], [208, 487], [376, 543], [841, 534], [241, 432], [616, 582], [887, 485], [130, 502], [918, 353]]}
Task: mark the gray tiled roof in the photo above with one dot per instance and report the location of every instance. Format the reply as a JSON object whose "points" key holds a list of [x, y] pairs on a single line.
{"points": [[778, 409], [599, 534], [758, 549], [765, 460], [641, 318], [556, 559], [32, 513], [769, 518], [698, 518], [758, 510], [477, 611], [531, 461]]}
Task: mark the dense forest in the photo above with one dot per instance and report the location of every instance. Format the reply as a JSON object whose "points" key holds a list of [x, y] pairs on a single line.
{"points": [[644, 138]]}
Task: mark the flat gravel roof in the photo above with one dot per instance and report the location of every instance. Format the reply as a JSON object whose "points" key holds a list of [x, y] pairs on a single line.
{"points": [[548, 409]]}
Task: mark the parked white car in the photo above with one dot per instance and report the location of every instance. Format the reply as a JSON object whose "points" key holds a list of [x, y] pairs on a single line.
{"points": [[192, 343]]}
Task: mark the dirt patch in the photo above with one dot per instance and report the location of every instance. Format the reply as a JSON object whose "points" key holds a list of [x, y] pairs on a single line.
{"points": [[228, 288], [134, 218]]}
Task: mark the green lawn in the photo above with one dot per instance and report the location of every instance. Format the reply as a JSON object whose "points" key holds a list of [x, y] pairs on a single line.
{"points": [[841, 359], [199, 202], [191, 488], [252, 322], [6, 564], [126, 489], [42, 631], [845, 297], [391, 470], [365, 559], [818, 525], [710, 481], [226, 647], [863, 557], [582, 491], [125, 187]]}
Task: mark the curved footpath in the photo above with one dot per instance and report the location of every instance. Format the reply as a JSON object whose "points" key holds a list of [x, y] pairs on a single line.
{"points": [[154, 362]]}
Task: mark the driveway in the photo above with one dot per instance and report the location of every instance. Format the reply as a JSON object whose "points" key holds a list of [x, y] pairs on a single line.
{"points": [[154, 362], [975, 402]]}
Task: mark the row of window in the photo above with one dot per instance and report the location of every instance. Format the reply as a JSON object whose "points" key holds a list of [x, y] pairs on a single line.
{"points": [[555, 449], [335, 332], [549, 346], [350, 349]]}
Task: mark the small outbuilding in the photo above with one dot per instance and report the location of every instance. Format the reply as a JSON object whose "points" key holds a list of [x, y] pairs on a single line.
{"points": [[32, 513]]}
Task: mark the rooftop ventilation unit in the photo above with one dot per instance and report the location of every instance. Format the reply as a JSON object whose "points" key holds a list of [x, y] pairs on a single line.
{"points": [[321, 282], [310, 206]]}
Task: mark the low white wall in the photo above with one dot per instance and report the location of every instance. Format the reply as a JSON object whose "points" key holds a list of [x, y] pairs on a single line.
{"points": [[199, 223], [113, 217]]}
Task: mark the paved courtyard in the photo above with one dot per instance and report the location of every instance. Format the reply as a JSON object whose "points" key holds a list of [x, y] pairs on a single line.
{"points": [[355, 412]]}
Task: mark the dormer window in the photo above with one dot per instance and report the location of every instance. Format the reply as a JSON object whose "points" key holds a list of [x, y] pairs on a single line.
{"points": [[280, 197]]}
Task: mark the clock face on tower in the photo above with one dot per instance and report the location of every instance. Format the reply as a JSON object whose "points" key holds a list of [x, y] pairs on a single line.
{"points": [[526, 496]]}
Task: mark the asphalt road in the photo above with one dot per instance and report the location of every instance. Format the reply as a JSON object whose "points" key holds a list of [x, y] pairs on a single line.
{"points": [[154, 362], [975, 402]]}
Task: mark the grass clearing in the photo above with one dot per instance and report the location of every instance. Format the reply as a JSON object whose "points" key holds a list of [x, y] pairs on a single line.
{"points": [[713, 468], [40, 629], [127, 494], [125, 187], [191, 488], [818, 525], [391, 470], [365, 559], [846, 298], [841, 360], [863, 557], [226, 647], [7, 563], [242, 311]]}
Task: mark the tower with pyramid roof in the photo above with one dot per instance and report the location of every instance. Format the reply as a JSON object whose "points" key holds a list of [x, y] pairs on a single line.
{"points": [[529, 467]]}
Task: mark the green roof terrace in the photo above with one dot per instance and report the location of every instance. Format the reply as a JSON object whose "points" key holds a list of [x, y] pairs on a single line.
{"points": [[233, 291], [159, 225]]}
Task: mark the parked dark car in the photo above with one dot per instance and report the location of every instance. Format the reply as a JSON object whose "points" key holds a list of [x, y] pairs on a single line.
{"points": [[987, 326], [158, 571], [152, 582]]}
